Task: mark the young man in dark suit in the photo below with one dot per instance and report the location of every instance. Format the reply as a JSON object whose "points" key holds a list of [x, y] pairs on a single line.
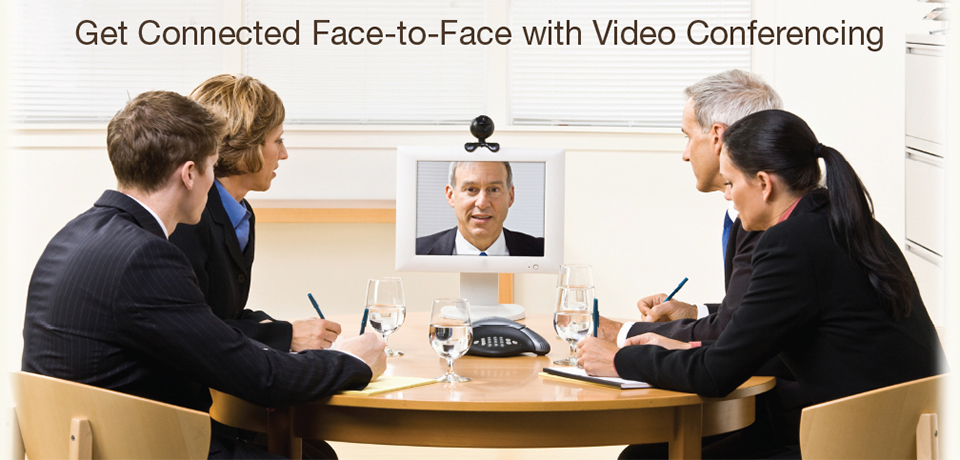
{"points": [[113, 304], [480, 193]]}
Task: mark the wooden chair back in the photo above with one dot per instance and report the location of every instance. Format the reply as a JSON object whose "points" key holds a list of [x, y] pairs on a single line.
{"points": [[895, 422], [62, 419]]}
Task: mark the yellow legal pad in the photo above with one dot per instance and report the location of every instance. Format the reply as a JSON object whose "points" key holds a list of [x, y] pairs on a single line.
{"points": [[389, 383]]}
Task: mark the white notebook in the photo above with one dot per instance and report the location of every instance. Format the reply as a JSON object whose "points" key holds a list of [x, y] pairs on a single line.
{"points": [[580, 374]]}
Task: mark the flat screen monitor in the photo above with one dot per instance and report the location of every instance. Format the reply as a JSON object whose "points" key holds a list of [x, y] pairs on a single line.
{"points": [[479, 214]]}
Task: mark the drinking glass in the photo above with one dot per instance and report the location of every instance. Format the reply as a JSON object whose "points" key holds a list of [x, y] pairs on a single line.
{"points": [[575, 275], [451, 333], [573, 317], [386, 308]]}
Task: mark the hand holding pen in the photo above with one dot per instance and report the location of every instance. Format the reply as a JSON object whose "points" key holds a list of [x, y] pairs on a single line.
{"points": [[662, 307], [313, 333]]}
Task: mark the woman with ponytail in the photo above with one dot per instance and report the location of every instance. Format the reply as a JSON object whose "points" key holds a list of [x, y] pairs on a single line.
{"points": [[831, 292]]}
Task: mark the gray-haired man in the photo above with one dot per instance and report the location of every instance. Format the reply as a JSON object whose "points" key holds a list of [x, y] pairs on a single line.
{"points": [[480, 193], [713, 104]]}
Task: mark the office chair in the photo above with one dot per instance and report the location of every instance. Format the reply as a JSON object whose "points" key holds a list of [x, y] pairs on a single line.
{"points": [[895, 422], [62, 419]]}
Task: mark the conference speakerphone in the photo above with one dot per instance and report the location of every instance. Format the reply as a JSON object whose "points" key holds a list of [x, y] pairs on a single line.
{"points": [[497, 337]]}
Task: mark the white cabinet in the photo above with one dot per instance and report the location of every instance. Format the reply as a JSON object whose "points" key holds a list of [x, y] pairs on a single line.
{"points": [[926, 92], [924, 203], [925, 122], [928, 271]]}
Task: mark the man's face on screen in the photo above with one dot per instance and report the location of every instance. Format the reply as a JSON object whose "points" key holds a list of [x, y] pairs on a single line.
{"points": [[480, 199]]}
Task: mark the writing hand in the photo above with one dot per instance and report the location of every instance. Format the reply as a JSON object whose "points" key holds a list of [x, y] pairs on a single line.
{"points": [[368, 347], [653, 309], [313, 334]]}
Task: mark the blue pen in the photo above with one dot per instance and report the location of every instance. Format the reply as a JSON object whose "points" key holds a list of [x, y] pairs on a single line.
{"points": [[363, 325], [315, 305], [596, 315], [675, 290]]}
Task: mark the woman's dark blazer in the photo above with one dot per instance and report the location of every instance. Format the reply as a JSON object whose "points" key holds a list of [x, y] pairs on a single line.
{"points": [[223, 272], [809, 302]]}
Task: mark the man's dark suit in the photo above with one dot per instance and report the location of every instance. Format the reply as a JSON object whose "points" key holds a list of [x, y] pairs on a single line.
{"points": [[443, 243], [113, 304], [737, 270], [223, 272], [809, 302]]}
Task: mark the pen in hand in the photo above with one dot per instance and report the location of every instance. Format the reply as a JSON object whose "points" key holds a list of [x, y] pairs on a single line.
{"points": [[675, 291], [315, 305], [363, 324]]}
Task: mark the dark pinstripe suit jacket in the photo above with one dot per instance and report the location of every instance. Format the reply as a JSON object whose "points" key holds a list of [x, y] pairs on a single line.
{"points": [[112, 303], [737, 271], [223, 272]]}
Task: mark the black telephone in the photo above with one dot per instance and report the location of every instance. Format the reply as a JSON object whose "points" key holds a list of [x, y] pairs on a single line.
{"points": [[496, 337]]}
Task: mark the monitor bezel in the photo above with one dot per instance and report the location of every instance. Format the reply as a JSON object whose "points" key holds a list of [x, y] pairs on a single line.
{"points": [[406, 220]]}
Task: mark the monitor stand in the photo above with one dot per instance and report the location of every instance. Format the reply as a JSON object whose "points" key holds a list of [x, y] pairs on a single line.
{"points": [[482, 290]]}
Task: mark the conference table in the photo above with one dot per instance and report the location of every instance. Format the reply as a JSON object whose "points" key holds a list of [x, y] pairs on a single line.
{"points": [[507, 404]]}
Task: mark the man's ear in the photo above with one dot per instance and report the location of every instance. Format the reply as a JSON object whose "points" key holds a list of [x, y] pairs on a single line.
{"points": [[716, 136], [188, 174], [449, 190], [511, 197]]}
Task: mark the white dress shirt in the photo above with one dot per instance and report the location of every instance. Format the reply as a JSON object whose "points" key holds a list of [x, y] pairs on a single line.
{"points": [[155, 216], [464, 248]]}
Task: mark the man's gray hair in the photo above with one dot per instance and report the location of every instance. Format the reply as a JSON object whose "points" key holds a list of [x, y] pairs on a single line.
{"points": [[452, 174], [729, 96]]}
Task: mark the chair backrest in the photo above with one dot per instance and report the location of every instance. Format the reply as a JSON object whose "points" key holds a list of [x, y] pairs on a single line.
{"points": [[62, 419], [883, 423]]}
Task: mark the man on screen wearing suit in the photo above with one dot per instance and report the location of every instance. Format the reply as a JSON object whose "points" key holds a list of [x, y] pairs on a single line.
{"points": [[112, 303], [713, 104], [480, 193]]}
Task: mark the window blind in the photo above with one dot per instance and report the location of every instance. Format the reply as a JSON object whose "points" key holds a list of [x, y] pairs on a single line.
{"points": [[359, 84], [55, 78], [622, 85]]}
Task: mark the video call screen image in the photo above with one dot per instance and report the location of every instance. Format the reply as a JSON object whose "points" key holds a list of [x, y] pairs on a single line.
{"points": [[480, 201]]}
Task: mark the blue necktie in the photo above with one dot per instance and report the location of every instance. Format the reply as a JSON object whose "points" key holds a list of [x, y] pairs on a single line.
{"points": [[482, 253], [727, 223]]}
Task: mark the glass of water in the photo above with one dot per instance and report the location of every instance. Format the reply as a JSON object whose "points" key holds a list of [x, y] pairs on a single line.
{"points": [[387, 308], [451, 333], [573, 314]]}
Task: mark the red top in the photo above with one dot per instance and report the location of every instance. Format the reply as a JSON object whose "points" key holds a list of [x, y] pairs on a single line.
{"points": [[789, 210]]}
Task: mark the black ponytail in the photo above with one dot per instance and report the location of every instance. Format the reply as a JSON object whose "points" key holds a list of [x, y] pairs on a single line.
{"points": [[853, 227], [781, 143]]}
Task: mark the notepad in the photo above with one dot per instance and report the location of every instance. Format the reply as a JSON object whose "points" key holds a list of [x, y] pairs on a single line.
{"points": [[389, 383], [579, 374]]}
